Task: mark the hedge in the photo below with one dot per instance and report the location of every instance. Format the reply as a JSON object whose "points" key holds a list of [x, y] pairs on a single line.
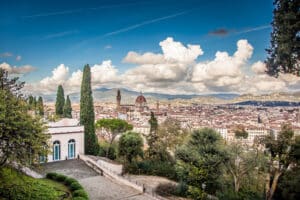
{"points": [[78, 193]]}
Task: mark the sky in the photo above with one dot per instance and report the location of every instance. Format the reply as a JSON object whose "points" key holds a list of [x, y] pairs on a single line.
{"points": [[165, 46]]}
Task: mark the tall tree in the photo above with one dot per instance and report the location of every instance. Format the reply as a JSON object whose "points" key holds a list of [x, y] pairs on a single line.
{"points": [[68, 108], [87, 114], [199, 162], [280, 157], [131, 146], [21, 135], [60, 101], [152, 137], [284, 53], [40, 106], [113, 127]]}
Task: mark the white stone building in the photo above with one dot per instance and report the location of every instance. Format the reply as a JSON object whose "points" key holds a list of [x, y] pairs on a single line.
{"points": [[67, 139]]}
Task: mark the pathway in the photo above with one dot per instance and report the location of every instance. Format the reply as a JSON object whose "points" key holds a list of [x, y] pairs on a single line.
{"points": [[98, 187]]}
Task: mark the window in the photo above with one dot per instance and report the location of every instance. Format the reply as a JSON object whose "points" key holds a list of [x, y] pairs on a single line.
{"points": [[71, 149], [56, 150]]}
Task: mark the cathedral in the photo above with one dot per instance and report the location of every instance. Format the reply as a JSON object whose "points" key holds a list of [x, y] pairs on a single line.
{"points": [[140, 104]]}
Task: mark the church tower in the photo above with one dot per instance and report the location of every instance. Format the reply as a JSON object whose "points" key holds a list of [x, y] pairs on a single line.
{"points": [[118, 99]]}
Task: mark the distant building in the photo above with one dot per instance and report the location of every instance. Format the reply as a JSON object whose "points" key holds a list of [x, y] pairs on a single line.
{"points": [[67, 140]]}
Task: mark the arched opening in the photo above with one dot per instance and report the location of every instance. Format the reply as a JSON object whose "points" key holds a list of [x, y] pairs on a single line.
{"points": [[56, 150], [71, 149]]}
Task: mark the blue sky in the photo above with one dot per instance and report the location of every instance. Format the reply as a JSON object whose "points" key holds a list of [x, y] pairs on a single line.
{"points": [[48, 33]]}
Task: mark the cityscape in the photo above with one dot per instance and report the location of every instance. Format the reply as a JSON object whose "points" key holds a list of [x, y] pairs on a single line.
{"points": [[138, 100]]}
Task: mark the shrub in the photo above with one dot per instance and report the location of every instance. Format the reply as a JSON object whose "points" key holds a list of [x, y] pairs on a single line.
{"points": [[80, 193], [166, 189], [51, 175], [75, 186], [79, 198], [69, 181], [60, 178]]}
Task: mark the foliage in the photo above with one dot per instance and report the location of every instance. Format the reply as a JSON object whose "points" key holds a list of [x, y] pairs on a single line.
{"points": [[199, 162], [15, 185], [22, 137], [130, 146], [60, 101], [87, 114], [280, 156], [75, 186], [152, 167], [285, 38], [68, 108], [69, 181], [40, 106], [80, 193], [242, 163], [164, 139], [112, 150], [152, 137], [113, 128], [288, 185], [170, 189], [240, 132]]}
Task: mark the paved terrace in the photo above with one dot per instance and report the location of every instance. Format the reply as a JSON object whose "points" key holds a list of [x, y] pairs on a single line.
{"points": [[98, 187]]}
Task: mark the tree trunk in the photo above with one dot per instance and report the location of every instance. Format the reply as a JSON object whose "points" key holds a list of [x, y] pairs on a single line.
{"points": [[274, 184], [267, 187], [236, 184]]}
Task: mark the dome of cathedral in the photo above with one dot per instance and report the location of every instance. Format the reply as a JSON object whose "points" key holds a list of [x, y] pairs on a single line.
{"points": [[140, 100]]}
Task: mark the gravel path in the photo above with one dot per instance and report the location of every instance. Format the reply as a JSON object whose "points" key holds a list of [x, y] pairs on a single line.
{"points": [[98, 187]]}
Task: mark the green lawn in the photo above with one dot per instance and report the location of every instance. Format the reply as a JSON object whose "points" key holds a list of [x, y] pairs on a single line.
{"points": [[15, 185]]}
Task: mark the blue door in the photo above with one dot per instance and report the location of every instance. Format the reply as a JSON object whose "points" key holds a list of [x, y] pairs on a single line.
{"points": [[71, 149], [56, 150]]}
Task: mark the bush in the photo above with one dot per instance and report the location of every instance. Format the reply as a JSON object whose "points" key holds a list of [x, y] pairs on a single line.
{"points": [[166, 189], [51, 175], [60, 178], [80, 193], [75, 186], [69, 181], [79, 198]]}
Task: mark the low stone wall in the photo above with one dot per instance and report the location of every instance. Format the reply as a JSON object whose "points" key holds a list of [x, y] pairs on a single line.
{"points": [[110, 174]]}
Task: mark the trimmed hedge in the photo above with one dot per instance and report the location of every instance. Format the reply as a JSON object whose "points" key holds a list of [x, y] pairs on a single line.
{"points": [[75, 186], [69, 181], [80, 193], [77, 190]]}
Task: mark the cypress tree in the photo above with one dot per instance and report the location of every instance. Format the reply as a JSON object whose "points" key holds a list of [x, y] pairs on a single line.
{"points": [[40, 106], [87, 115], [284, 53], [68, 108], [152, 137], [60, 101]]}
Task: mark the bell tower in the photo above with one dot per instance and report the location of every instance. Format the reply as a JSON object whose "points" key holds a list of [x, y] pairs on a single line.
{"points": [[118, 97]]}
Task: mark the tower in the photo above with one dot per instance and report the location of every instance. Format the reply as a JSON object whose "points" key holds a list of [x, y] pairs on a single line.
{"points": [[118, 97], [157, 106]]}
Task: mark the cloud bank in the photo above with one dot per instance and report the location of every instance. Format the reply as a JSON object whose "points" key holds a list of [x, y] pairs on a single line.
{"points": [[176, 71]]}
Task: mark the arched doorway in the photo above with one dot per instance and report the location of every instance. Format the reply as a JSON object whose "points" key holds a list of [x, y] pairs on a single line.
{"points": [[71, 149], [56, 150]]}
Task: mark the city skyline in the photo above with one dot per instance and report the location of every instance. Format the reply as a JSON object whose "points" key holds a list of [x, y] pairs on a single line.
{"points": [[190, 47]]}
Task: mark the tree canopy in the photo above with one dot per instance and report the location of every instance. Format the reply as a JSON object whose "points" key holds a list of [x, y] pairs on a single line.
{"points": [[130, 146], [22, 137], [60, 101], [68, 108], [113, 128], [284, 53], [199, 162], [87, 114]]}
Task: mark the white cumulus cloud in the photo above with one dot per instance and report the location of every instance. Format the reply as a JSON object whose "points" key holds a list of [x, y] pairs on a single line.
{"points": [[17, 70]]}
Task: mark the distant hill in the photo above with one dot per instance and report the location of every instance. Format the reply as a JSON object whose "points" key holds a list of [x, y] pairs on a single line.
{"points": [[129, 96], [268, 103]]}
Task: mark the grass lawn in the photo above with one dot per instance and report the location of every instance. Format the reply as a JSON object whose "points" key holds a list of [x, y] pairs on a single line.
{"points": [[15, 185]]}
